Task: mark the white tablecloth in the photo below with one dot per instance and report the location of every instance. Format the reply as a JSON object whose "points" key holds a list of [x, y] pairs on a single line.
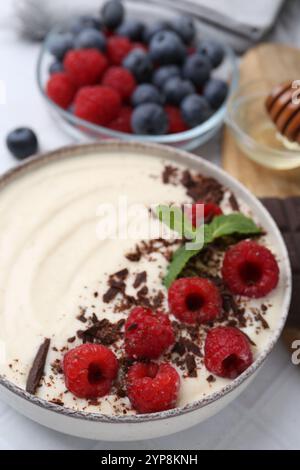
{"points": [[265, 416]]}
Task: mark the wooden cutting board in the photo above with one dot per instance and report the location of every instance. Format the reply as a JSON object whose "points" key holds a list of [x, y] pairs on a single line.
{"points": [[261, 62]]}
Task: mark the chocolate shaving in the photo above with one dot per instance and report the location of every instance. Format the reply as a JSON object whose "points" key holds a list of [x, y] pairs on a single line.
{"points": [[168, 173], [192, 347], [57, 401], [102, 332], [264, 322], [56, 367], [135, 255], [157, 300], [81, 317], [37, 369], [110, 294], [234, 203], [191, 365], [210, 379], [179, 347], [142, 292], [122, 274], [202, 188], [140, 279]]}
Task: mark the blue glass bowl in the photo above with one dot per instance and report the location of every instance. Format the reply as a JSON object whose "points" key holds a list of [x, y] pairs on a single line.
{"points": [[83, 131]]}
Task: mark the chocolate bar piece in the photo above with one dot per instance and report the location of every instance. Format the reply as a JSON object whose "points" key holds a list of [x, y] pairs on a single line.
{"points": [[286, 213], [37, 368]]}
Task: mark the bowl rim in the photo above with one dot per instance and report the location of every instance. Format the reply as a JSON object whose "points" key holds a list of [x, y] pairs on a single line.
{"points": [[233, 103], [213, 122], [190, 161]]}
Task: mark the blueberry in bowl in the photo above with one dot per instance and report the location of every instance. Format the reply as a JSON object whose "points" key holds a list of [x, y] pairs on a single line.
{"points": [[163, 59]]}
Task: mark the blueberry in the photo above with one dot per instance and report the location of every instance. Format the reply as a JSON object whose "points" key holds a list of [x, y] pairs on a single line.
{"points": [[22, 142], [166, 47], [131, 29], [195, 110], [84, 22], [152, 29], [149, 119], [185, 28], [197, 68], [213, 50], [56, 67], [146, 93], [139, 64], [59, 44], [112, 14], [90, 38], [163, 74], [176, 89], [215, 91]]}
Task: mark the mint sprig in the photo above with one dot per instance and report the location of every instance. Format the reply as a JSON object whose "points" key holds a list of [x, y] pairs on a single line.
{"points": [[221, 226], [176, 220]]}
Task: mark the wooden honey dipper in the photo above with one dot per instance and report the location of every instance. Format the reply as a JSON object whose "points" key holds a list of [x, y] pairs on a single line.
{"points": [[284, 111]]}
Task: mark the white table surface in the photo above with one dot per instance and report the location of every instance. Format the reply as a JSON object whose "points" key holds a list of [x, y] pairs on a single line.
{"points": [[265, 416]]}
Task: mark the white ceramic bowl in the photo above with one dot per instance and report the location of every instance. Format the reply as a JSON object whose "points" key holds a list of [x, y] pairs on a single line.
{"points": [[102, 427]]}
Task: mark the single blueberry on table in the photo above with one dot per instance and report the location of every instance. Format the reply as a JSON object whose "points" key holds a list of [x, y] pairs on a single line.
{"points": [[56, 67], [131, 29], [215, 91], [139, 64], [163, 74], [83, 22], [153, 28], [149, 119], [176, 89], [197, 68], [212, 50], [146, 93], [166, 47], [22, 142], [185, 28], [59, 44], [90, 38], [112, 13], [195, 110]]}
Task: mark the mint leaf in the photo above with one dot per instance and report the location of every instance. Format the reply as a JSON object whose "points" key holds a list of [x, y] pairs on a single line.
{"points": [[222, 225], [174, 218], [180, 259]]}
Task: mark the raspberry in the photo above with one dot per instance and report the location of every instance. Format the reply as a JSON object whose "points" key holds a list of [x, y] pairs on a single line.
{"points": [[250, 269], [90, 370], [194, 300], [85, 66], [210, 210], [97, 104], [122, 123], [121, 80], [117, 49], [152, 387], [147, 334], [227, 352], [176, 123], [61, 89]]}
